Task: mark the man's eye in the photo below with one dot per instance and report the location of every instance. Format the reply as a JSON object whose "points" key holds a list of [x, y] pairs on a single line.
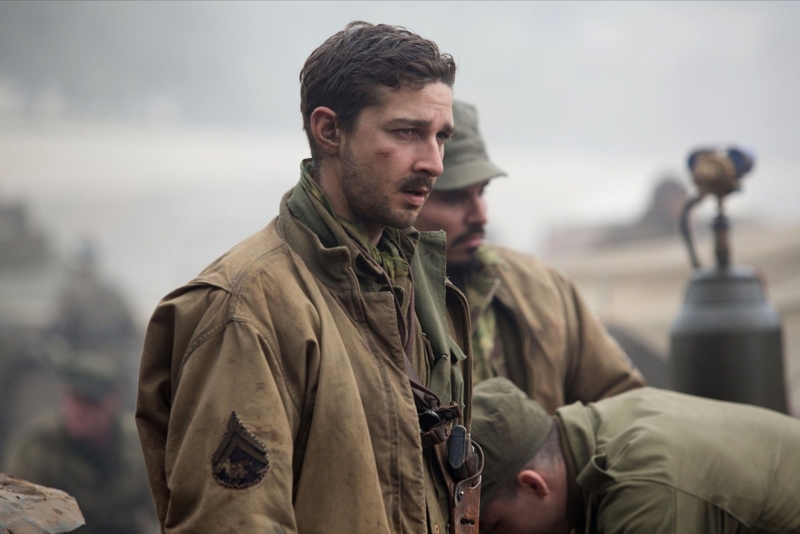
{"points": [[405, 132]]}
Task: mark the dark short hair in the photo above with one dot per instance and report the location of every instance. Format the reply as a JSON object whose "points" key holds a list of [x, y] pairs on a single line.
{"points": [[546, 458], [347, 70]]}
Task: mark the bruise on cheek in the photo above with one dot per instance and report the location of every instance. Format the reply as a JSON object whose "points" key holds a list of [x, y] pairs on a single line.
{"points": [[383, 154]]}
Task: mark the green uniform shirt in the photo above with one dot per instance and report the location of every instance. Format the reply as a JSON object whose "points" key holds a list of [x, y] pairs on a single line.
{"points": [[109, 484], [659, 462]]}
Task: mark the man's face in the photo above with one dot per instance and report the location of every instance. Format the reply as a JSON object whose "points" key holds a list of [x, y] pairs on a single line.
{"points": [[391, 159], [526, 513], [518, 515], [506, 516], [87, 419], [461, 213]]}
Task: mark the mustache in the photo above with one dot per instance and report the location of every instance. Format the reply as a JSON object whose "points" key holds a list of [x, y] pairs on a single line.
{"points": [[416, 181], [471, 231]]}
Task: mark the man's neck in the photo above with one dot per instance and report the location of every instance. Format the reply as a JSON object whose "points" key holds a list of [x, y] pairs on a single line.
{"points": [[328, 175]]}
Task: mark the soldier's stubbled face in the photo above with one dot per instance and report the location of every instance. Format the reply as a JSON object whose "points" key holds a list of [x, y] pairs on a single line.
{"points": [[462, 214], [390, 161]]}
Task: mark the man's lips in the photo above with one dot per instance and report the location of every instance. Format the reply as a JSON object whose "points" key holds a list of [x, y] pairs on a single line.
{"points": [[416, 188], [469, 239], [416, 197]]}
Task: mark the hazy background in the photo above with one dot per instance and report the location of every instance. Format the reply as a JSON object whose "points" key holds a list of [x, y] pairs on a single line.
{"points": [[167, 132]]}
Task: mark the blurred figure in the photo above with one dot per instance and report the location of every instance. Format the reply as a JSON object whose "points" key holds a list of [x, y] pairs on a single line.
{"points": [[93, 314], [30, 270], [529, 322], [90, 450], [660, 220]]}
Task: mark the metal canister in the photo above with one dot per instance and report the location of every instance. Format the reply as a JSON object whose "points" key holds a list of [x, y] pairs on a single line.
{"points": [[726, 342]]}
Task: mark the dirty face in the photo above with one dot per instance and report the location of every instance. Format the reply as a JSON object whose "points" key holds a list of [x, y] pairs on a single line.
{"points": [[391, 159], [88, 419]]}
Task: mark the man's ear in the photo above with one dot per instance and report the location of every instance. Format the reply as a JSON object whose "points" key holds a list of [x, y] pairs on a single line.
{"points": [[531, 480], [325, 131]]}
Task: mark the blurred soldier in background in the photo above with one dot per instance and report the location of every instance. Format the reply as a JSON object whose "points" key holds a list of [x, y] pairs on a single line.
{"points": [[93, 315], [529, 323], [29, 272], [90, 450]]}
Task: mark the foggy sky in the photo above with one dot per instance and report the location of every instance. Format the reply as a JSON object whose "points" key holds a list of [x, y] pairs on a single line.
{"points": [[618, 76], [168, 131]]}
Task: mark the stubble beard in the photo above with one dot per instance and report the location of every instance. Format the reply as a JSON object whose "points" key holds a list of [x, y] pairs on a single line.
{"points": [[370, 205], [459, 273]]}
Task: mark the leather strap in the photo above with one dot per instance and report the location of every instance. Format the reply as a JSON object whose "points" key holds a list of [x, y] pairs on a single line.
{"points": [[465, 495]]}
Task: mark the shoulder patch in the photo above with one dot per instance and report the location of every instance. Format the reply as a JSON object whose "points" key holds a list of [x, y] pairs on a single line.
{"points": [[240, 460]]}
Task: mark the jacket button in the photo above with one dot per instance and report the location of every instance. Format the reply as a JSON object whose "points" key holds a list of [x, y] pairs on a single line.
{"points": [[436, 529]]}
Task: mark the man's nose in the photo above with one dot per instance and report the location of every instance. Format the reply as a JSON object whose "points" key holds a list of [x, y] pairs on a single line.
{"points": [[429, 158], [476, 213]]}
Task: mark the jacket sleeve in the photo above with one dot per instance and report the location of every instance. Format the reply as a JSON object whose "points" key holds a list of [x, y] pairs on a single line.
{"points": [[597, 367], [642, 507], [216, 421], [636, 508]]}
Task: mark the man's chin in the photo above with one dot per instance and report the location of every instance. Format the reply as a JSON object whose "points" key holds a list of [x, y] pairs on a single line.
{"points": [[464, 260], [399, 219]]}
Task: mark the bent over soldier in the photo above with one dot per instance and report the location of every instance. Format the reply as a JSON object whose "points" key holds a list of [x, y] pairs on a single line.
{"points": [[647, 461]]}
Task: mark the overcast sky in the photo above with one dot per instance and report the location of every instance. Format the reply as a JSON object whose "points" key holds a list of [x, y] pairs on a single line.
{"points": [[168, 131]]}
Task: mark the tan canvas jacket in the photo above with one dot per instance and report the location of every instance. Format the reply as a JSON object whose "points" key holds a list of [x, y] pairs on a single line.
{"points": [[325, 436], [556, 349]]}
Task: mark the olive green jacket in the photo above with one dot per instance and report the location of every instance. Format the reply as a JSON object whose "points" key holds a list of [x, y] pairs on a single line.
{"points": [[555, 348], [658, 462], [279, 332], [109, 484]]}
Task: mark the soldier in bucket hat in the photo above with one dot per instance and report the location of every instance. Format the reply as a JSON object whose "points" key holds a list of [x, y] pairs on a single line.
{"points": [[644, 462], [90, 449], [529, 322]]}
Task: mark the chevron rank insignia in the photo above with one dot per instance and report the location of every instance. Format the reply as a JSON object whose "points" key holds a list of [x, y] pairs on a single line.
{"points": [[240, 460]]}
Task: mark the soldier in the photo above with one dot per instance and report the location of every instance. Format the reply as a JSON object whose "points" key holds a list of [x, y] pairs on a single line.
{"points": [[91, 450], [529, 322], [281, 390], [645, 462], [93, 315]]}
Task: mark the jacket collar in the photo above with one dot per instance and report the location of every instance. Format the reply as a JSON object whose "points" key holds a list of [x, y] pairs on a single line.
{"points": [[309, 204], [330, 254]]}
